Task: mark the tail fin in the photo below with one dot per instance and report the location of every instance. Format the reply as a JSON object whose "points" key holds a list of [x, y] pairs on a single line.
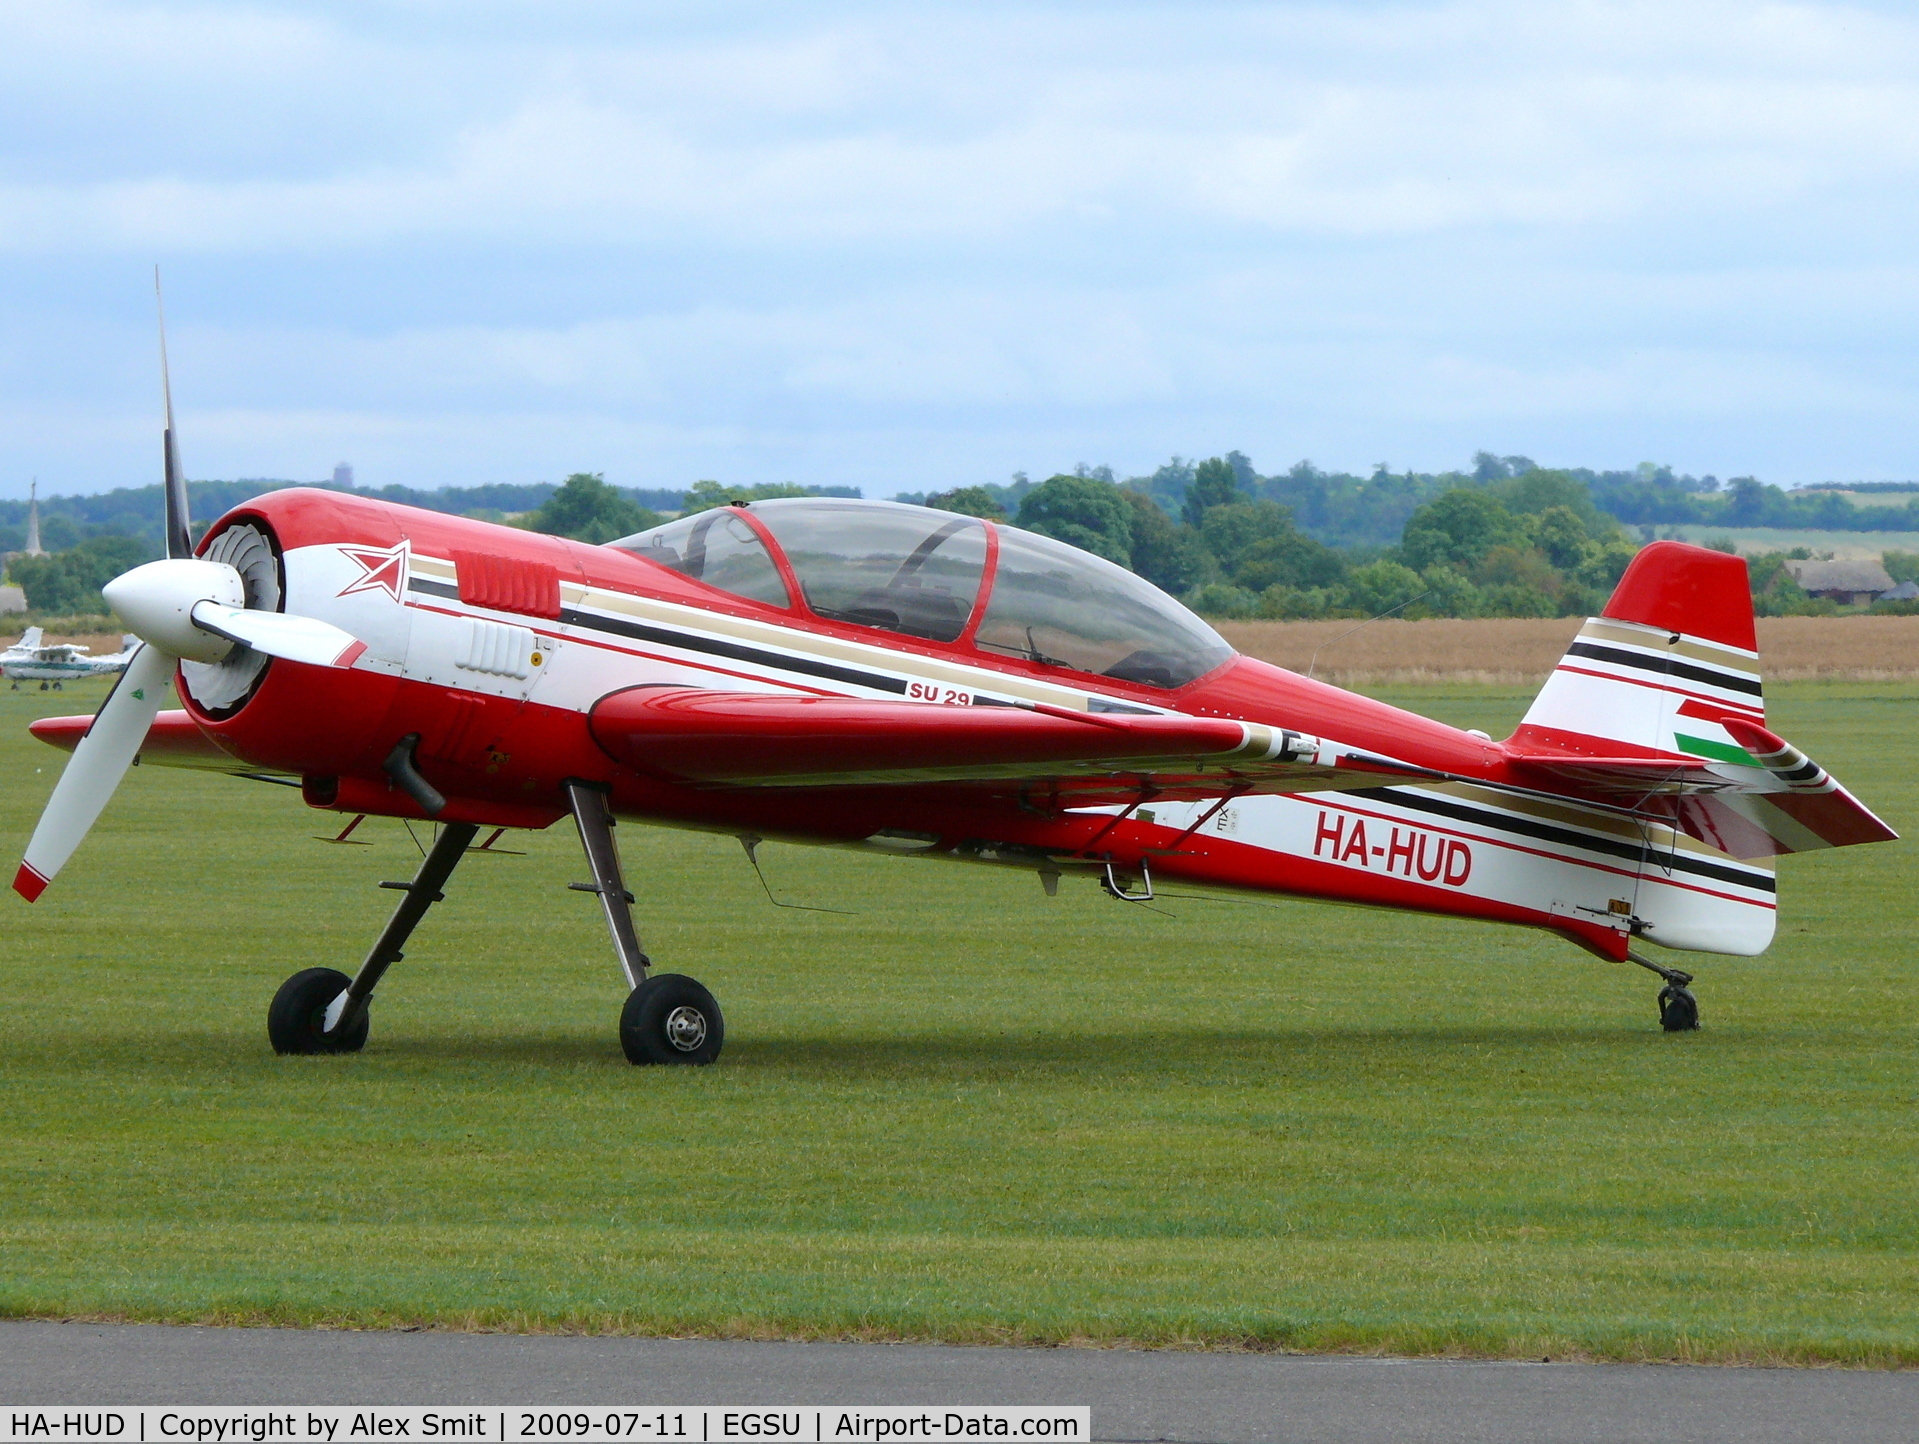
{"points": [[1657, 705], [1673, 658], [30, 638]]}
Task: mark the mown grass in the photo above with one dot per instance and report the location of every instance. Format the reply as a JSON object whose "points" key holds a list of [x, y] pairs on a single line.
{"points": [[964, 1112]]}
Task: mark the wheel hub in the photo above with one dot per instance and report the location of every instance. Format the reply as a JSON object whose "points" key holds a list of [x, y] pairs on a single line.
{"points": [[686, 1029]]}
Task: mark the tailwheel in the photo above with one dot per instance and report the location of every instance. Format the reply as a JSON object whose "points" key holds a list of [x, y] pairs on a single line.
{"points": [[296, 1020], [1678, 1009], [671, 1019]]}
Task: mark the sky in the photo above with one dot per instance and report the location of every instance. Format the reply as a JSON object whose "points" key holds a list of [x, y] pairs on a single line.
{"points": [[910, 247]]}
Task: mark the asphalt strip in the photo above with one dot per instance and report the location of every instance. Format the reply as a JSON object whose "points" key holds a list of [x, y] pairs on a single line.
{"points": [[1134, 1394]]}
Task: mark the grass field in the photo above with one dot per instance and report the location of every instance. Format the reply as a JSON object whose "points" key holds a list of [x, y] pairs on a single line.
{"points": [[966, 1111]]}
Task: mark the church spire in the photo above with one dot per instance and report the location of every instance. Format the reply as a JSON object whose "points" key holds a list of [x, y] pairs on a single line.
{"points": [[34, 549]]}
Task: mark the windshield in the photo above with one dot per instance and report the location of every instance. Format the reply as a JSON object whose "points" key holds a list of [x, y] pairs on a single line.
{"points": [[715, 547], [1060, 606], [900, 568]]}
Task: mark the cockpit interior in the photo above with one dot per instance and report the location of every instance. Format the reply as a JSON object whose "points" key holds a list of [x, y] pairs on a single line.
{"points": [[941, 578]]}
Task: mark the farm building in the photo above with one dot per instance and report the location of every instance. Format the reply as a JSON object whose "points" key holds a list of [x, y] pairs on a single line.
{"points": [[1848, 583]]}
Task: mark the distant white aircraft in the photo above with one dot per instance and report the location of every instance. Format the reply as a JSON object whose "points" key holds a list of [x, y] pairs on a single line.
{"points": [[31, 660]]}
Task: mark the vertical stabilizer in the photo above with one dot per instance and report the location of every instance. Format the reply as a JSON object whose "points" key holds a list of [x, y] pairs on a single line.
{"points": [[1673, 658], [1670, 673]]}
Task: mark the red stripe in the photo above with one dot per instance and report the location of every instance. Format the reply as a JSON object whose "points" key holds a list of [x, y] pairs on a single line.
{"points": [[1654, 686], [1715, 711], [28, 883]]}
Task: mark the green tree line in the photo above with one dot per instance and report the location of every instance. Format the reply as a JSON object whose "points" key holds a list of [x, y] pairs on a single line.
{"points": [[1508, 539], [1531, 545], [140, 512]]}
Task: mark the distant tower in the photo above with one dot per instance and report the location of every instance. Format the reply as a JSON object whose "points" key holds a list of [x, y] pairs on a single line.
{"points": [[34, 549], [343, 477]]}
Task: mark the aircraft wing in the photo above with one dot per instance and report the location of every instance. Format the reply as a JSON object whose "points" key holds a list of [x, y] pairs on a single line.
{"points": [[1783, 802], [174, 740], [759, 739]]}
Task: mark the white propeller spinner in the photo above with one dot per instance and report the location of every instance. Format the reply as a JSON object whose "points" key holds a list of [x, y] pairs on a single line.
{"points": [[197, 610], [157, 602]]}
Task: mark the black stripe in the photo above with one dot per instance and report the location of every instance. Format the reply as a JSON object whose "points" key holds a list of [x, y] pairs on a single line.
{"points": [[1666, 666], [1634, 852], [697, 642], [1798, 774]]}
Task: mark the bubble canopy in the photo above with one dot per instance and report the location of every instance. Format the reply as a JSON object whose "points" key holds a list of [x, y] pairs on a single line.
{"points": [[920, 573]]}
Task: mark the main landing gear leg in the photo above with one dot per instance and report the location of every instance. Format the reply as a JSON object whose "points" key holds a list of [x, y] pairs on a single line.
{"points": [[321, 1010], [667, 1018], [1678, 1009]]}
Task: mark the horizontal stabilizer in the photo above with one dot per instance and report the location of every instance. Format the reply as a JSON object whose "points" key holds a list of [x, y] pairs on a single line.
{"points": [[1773, 799], [767, 739]]}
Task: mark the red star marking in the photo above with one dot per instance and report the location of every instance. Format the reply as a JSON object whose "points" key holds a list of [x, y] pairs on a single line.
{"points": [[380, 571]]}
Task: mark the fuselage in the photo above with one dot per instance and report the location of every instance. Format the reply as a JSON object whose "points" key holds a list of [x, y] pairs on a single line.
{"points": [[494, 645]]}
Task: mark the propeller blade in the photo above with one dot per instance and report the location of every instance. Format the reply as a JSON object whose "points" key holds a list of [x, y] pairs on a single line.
{"points": [[179, 524], [98, 764], [297, 639]]}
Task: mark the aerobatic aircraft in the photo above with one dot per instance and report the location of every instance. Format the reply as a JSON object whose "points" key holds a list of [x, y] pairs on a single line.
{"points": [[918, 683]]}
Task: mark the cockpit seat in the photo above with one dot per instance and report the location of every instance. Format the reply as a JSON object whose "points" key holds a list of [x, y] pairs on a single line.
{"points": [[936, 616], [1149, 668]]}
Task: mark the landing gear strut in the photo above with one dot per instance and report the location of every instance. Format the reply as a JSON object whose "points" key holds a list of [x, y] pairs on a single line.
{"points": [[667, 1019], [323, 1011], [1678, 1008]]}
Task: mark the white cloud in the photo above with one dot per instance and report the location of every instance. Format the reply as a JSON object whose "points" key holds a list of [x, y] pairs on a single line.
{"points": [[972, 129], [988, 231]]}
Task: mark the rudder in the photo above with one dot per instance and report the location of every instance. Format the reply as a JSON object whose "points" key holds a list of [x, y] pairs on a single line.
{"points": [[1673, 657]]}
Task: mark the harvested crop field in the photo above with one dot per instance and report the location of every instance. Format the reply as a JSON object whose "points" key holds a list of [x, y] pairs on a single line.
{"points": [[1523, 649], [1506, 650]]}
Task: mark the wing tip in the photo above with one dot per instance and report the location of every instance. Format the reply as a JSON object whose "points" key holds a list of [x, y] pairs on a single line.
{"points": [[28, 883]]}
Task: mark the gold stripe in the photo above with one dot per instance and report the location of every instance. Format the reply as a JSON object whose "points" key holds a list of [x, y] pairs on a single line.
{"points": [[806, 644], [1631, 634], [813, 645], [1658, 835]]}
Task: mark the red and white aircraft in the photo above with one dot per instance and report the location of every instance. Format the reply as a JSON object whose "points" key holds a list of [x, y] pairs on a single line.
{"points": [[908, 681]]}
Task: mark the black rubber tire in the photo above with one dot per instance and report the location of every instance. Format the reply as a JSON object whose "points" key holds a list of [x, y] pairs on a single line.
{"points": [[671, 1020], [298, 1012], [1678, 1009]]}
